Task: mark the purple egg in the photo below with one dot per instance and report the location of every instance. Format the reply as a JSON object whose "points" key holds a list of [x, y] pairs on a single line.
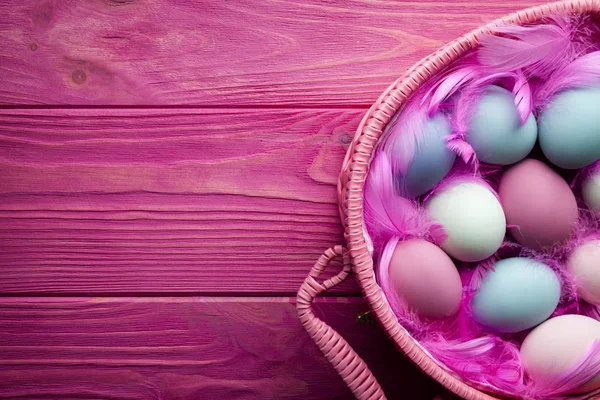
{"points": [[538, 203], [425, 278]]}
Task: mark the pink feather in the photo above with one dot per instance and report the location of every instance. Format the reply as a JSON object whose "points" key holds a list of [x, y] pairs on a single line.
{"points": [[539, 49], [437, 233], [486, 361], [577, 375], [479, 274], [583, 72], [520, 88], [403, 134], [523, 96], [596, 312], [389, 215], [449, 84], [465, 104], [463, 149], [384, 217]]}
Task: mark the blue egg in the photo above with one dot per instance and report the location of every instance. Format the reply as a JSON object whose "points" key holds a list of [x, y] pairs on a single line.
{"points": [[570, 128], [495, 130], [519, 294], [431, 161]]}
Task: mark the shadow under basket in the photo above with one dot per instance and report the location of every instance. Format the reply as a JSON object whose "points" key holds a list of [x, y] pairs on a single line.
{"points": [[356, 256]]}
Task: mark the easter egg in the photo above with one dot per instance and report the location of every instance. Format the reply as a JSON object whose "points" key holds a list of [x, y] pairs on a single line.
{"points": [[584, 264], [517, 294], [472, 218], [590, 191], [538, 203], [557, 345], [431, 160], [426, 278], [495, 130], [569, 129]]}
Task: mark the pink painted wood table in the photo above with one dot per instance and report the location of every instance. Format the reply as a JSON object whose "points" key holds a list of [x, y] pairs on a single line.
{"points": [[167, 179]]}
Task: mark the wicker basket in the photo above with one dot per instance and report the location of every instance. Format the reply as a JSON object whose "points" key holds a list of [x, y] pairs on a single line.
{"points": [[356, 257]]}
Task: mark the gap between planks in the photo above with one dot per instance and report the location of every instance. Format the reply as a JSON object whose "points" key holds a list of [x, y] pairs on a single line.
{"points": [[198, 107], [227, 296]]}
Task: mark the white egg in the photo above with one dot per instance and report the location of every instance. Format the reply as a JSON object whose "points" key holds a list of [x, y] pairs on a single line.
{"points": [[553, 348], [473, 219], [590, 191], [584, 264]]}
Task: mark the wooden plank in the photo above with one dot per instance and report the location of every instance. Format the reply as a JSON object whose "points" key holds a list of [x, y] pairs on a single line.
{"points": [[186, 348], [110, 201], [221, 53]]}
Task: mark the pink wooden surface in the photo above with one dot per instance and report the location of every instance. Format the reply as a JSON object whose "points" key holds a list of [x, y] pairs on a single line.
{"points": [[167, 179], [242, 52], [165, 201], [183, 348]]}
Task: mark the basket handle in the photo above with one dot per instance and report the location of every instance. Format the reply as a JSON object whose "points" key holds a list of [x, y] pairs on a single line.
{"points": [[335, 348]]}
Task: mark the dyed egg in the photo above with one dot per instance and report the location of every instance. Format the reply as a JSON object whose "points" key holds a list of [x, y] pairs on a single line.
{"points": [[472, 218], [431, 161], [590, 191], [584, 264], [495, 130], [557, 345], [517, 295], [539, 203], [569, 128], [426, 278]]}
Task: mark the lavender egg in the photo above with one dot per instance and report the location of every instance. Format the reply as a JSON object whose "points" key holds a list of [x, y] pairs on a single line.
{"points": [[539, 204], [495, 131], [569, 128], [425, 278], [431, 161]]}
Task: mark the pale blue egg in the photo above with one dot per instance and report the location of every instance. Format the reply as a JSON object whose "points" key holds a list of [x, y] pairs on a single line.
{"points": [[570, 128], [519, 294], [431, 161], [495, 130]]}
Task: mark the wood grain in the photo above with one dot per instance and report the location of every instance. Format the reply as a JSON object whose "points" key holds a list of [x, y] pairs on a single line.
{"points": [[222, 53], [232, 195], [192, 348], [182, 201]]}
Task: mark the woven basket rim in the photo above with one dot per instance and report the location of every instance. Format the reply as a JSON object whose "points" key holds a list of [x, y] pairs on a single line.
{"points": [[355, 166]]}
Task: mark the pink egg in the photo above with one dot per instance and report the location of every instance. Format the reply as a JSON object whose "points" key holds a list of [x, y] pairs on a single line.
{"points": [[584, 264], [425, 278], [539, 203], [557, 345]]}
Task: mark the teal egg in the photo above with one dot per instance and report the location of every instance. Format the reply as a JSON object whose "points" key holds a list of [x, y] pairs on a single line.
{"points": [[518, 294], [570, 128], [431, 160], [495, 130]]}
